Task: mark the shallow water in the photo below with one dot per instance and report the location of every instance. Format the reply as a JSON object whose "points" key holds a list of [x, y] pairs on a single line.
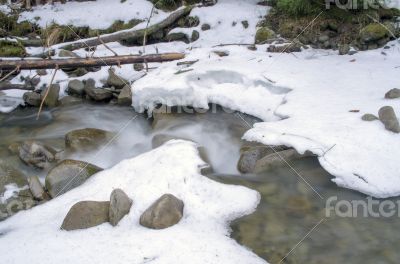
{"points": [[288, 210]]}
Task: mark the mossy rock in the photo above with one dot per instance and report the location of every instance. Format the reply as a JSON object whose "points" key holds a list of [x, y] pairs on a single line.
{"points": [[263, 34], [11, 49], [373, 32]]}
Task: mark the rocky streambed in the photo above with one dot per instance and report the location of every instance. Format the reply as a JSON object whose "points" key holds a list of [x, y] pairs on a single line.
{"points": [[36, 155]]}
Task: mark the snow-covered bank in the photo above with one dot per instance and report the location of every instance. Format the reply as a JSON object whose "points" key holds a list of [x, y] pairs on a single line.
{"points": [[361, 155], [200, 237]]}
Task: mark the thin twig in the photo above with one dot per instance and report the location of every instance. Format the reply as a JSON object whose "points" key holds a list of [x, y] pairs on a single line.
{"points": [[145, 30], [232, 44], [106, 46], [47, 92], [9, 74]]}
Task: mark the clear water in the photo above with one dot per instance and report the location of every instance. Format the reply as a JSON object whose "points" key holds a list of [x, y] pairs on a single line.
{"points": [[288, 210]]}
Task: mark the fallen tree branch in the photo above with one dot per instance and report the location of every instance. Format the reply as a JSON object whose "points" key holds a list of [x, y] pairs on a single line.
{"points": [[87, 62], [46, 93], [129, 35], [11, 86]]}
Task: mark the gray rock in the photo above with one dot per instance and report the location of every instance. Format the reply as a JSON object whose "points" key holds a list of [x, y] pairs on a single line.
{"points": [[323, 38], [115, 80], [99, 94], [165, 212], [70, 100], [120, 205], [177, 36], [277, 159], [125, 96], [32, 98], [41, 72], [344, 49], [67, 53], [195, 36], [245, 23], [389, 119], [37, 189], [37, 154], [205, 27], [393, 93], [86, 139], [86, 214], [76, 87], [67, 175], [52, 96], [369, 117], [138, 66]]}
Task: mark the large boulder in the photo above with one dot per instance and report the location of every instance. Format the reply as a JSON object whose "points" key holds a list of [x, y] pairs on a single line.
{"points": [[52, 96], [14, 191], [32, 98], [125, 96], [120, 205], [165, 212], [76, 87], [67, 175], [86, 214], [373, 33], [115, 80], [86, 139], [36, 188], [36, 154], [388, 117], [393, 93], [264, 34]]}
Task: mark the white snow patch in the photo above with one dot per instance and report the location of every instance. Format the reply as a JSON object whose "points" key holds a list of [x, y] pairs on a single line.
{"points": [[11, 190], [202, 235]]}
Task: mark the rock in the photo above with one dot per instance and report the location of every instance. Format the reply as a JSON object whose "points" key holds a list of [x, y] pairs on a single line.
{"points": [[138, 66], [67, 175], [32, 98], [41, 72], [178, 36], [344, 49], [195, 36], [369, 117], [86, 214], [36, 189], [323, 38], [393, 93], [77, 72], [76, 87], [52, 97], [160, 139], [288, 48], [114, 80], [221, 53], [97, 94], [373, 32], [263, 34], [125, 96], [37, 154], [276, 159], [14, 192], [205, 27], [389, 119], [165, 212], [120, 205], [67, 53], [245, 23], [86, 139], [70, 100]]}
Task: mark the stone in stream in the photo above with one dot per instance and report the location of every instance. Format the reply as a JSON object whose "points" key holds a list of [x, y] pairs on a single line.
{"points": [[166, 211], [37, 189], [76, 87], [36, 154], [86, 139], [388, 117], [120, 205], [125, 96], [86, 214], [393, 93], [99, 94], [114, 80], [369, 117], [67, 175], [52, 96], [32, 98], [278, 158], [14, 191], [70, 100]]}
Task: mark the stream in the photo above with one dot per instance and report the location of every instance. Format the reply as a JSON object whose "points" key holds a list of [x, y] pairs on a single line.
{"points": [[288, 210]]}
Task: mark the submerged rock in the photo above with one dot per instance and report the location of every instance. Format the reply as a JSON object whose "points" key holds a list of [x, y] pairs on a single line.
{"points": [[125, 96], [67, 175], [86, 214], [37, 189], [393, 93], [37, 154], [70, 100], [86, 139], [32, 98], [120, 205], [388, 117], [165, 212]]}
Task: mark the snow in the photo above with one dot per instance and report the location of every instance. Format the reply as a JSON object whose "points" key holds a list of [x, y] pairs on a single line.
{"points": [[11, 190], [200, 237]]}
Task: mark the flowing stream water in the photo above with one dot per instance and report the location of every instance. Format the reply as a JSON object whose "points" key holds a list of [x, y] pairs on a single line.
{"points": [[289, 208]]}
